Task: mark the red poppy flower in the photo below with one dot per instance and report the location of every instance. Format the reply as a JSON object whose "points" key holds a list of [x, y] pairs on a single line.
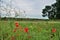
{"points": [[53, 30], [16, 24], [26, 29]]}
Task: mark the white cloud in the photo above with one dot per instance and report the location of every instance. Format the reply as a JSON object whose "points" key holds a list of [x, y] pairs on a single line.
{"points": [[25, 5]]}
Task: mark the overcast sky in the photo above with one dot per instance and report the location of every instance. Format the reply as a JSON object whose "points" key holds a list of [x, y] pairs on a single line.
{"points": [[33, 8]]}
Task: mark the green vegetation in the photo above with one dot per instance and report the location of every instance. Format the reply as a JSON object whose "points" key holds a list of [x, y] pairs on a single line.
{"points": [[37, 30]]}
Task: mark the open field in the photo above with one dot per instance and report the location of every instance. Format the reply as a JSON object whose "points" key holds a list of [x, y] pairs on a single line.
{"points": [[37, 30]]}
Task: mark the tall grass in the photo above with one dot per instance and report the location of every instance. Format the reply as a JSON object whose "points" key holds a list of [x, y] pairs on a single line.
{"points": [[37, 30]]}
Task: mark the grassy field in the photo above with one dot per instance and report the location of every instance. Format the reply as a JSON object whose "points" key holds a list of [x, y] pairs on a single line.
{"points": [[37, 30]]}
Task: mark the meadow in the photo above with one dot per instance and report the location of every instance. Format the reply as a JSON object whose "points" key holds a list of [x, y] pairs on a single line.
{"points": [[29, 30]]}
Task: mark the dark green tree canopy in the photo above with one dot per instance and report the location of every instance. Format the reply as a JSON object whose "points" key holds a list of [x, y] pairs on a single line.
{"points": [[54, 13], [48, 7]]}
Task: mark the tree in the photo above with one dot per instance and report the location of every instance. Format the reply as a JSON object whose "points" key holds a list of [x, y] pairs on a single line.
{"points": [[58, 9], [44, 12], [50, 11], [47, 12], [54, 9]]}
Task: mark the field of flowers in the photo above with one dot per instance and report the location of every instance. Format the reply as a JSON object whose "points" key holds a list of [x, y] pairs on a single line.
{"points": [[29, 30]]}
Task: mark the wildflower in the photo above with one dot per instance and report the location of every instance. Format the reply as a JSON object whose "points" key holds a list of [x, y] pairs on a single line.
{"points": [[14, 30], [26, 30], [16, 24], [53, 30]]}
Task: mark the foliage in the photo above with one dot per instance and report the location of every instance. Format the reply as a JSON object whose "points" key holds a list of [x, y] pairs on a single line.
{"points": [[58, 9], [54, 13], [50, 11]]}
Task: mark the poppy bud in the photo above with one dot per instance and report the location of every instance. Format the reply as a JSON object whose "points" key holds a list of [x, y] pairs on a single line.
{"points": [[53, 30], [29, 36], [12, 38], [14, 30]]}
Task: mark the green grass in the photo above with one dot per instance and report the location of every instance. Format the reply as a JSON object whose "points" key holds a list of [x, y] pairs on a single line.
{"points": [[38, 30]]}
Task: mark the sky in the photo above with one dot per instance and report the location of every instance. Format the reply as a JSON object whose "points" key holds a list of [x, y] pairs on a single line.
{"points": [[32, 8]]}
